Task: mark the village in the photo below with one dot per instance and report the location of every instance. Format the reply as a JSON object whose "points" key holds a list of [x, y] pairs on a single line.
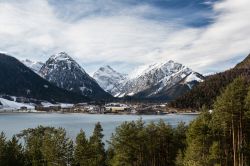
{"points": [[109, 108], [21, 104]]}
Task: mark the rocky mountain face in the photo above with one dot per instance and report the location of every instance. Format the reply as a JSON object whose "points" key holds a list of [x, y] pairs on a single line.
{"points": [[171, 92], [157, 80], [19, 80], [110, 80], [164, 81], [35, 66], [66, 73]]}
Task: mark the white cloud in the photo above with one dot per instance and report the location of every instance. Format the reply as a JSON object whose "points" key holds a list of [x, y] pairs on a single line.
{"points": [[227, 38], [35, 30]]}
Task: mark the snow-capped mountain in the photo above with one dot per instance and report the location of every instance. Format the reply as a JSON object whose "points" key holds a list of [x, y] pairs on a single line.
{"points": [[66, 73], [110, 80], [35, 66], [157, 79]]}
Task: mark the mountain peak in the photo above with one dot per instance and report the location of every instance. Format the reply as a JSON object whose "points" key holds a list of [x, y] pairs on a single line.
{"points": [[62, 59], [106, 67], [165, 67], [171, 61], [109, 71], [109, 79], [61, 56]]}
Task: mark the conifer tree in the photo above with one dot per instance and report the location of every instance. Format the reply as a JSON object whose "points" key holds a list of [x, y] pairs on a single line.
{"points": [[97, 146], [14, 153], [47, 146], [82, 150], [246, 147], [199, 140], [57, 148]]}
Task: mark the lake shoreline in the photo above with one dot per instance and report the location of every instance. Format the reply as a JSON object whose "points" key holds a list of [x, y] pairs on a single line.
{"points": [[120, 114]]}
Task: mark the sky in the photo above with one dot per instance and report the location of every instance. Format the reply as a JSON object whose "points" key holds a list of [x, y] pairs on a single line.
{"points": [[206, 35]]}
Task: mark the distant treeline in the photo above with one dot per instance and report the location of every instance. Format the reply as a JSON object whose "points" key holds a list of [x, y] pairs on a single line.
{"points": [[217, 138]]}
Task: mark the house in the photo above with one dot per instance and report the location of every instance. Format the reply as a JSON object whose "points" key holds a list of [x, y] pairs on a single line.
{"points": [[116, 107]]}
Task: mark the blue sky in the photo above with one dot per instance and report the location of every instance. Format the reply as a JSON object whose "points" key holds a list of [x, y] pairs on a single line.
{"points": [[186, 12], [206, 35]]}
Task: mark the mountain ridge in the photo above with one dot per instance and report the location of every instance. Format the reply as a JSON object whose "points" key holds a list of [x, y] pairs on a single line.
{"points": [[155, 81]]}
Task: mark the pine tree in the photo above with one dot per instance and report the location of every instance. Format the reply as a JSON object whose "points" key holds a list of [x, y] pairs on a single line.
{"points": [[33, 139], [180, 136], [109, 156], [57, 148], [128, 143], [83, 152], [97, 146], [199, 140], [14, 153], [180, 143], [47, 146], [246, 147]]}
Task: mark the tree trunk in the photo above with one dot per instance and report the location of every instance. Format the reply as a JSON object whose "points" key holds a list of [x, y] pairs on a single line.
{"points": [[235, 158]]}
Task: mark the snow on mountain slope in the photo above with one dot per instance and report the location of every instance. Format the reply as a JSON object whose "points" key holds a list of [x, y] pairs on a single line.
{"points": [[147, 81], [193, 77], [110, 80], [157, 77], [12, 105], [66, 73], [35, 66]]}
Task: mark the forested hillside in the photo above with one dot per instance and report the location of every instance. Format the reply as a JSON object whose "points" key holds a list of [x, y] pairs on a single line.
{"points": [[222, 137], [206, 92]]}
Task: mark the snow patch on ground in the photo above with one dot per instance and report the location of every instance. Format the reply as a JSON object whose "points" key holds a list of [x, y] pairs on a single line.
{"points": [[8, 105]]}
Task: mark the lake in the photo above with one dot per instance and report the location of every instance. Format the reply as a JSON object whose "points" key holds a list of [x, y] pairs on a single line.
{"points": [[13, 123]]}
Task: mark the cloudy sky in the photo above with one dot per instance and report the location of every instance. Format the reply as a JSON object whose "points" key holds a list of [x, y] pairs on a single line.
{"points": [[206, 35]]}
